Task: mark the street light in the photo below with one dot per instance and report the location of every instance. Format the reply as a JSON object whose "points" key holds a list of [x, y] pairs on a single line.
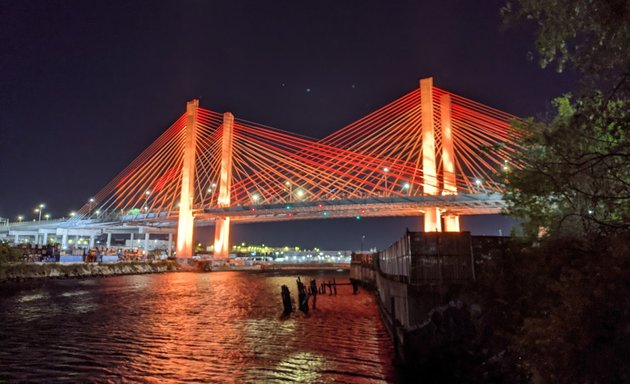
{"points": [[478, 184], [90, 203], [290, 186], [146, 200], [386, 170], [20, 218], [47, 216], [39, 210], [362, 239]]}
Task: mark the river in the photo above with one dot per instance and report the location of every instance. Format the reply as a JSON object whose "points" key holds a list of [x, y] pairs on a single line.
{"points": [[193, 327]]}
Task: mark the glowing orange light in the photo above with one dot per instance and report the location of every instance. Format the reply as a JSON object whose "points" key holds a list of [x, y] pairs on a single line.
{"points": [[186, 220], [222, 228]]}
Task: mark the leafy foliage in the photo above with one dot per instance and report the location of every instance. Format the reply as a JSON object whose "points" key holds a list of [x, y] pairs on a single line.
{"points": [[561, 311], [577, 178], [576, 326], [593, 35], [570, 292], [8, 254]]}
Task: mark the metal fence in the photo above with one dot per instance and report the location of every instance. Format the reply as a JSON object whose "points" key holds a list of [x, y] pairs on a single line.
{"points": [[423, 257]]}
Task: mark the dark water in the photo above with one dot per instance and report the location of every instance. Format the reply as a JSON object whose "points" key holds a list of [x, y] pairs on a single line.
{"points": [[187, 327]]}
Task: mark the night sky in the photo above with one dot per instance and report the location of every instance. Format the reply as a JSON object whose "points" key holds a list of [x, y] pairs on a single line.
{"points": [[85, 86]]}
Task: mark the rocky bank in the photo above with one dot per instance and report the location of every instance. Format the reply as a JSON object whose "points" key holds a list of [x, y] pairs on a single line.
{"points": [[22, 271]]}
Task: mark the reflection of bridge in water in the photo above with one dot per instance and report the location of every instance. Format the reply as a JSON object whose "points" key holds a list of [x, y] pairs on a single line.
{"points": [[429, 153]]}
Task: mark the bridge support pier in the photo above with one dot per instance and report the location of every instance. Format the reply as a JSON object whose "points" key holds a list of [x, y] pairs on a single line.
{"points": [[146, 244], [451, 223], [109, 239], [186, 223], [44, 237], [222, 238], [432, 220], [64, 239], [222, 224]]}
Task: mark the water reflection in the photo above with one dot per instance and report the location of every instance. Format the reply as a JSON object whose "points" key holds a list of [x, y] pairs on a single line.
{"points": [[215, 327]]}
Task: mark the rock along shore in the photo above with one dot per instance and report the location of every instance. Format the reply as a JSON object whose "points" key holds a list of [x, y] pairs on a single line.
{"points": [[23, 271]]}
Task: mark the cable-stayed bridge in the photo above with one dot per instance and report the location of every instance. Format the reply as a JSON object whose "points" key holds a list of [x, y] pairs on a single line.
{"points": [[429, 153]]}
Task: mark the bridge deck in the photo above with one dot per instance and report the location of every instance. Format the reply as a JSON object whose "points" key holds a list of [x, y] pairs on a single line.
{"points": [[463, 204]]}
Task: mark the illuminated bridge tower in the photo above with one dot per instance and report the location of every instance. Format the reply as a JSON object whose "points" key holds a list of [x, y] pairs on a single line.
{"points": [[222, 224], [185, 225], [430, 185], [451, 222]]}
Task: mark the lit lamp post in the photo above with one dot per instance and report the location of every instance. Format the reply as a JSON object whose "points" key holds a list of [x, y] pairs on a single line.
{"points": [[290, 186], [39, 211], [478, 183], [362, 240], [208, 192], [146, 200], [407, 188], [20, 218], [386, 170], [90, 203], [47, 216]]}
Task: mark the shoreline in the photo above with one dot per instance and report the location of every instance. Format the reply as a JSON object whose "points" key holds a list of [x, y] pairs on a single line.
{"points": [[31, 271], [16, 272]]}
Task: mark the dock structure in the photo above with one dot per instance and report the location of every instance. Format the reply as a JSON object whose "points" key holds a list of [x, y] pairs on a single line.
{"points": [[420, 271]]}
